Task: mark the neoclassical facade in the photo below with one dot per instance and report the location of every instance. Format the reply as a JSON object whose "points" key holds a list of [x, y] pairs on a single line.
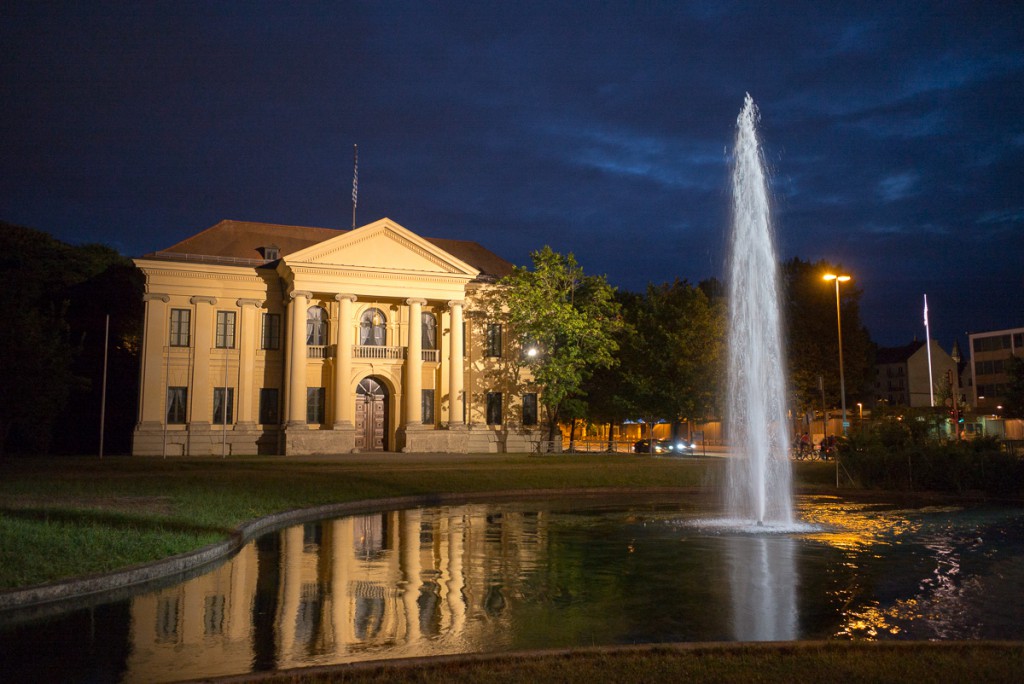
{"points": [[270, 339]]}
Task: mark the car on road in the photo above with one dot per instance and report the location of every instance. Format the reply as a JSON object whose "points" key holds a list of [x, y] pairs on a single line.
{"points": [[677, 447]]}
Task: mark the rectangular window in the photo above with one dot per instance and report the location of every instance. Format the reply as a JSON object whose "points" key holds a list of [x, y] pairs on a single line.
{"points": [[994, 343], [428, 331], [177, 403], [494, 408], [181, 323], [427, 406], [494, 340], [315, 405], [223, 401], [268, 406], [271, 331], [530, 408], [225, 330]]}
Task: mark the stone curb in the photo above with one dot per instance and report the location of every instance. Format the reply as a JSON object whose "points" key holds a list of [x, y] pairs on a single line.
{"points": [[93, 589]]}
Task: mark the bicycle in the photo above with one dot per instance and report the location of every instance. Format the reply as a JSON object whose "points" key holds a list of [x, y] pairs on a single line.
{"points": [[803, 451]]}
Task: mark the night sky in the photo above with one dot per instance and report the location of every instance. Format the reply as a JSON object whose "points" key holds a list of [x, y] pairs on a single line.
{"points": [[894, 133]]}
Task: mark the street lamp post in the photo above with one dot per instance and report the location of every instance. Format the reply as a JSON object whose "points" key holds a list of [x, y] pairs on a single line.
{"points": [[839, 325]]}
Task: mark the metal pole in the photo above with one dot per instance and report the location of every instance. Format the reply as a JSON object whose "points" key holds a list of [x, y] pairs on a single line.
{"points": [[167, 398], [842, 379], [355, 182], [824, 411], [928, 346], [103, 393], [224, 409]]}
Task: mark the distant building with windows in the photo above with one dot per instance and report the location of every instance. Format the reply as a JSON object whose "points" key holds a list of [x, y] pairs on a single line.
{"points": [[263, 338], [901, 374], [990, 352]]}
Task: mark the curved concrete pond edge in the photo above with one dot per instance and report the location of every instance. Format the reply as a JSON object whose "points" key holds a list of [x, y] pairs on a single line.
{"points": [[54, 597]]}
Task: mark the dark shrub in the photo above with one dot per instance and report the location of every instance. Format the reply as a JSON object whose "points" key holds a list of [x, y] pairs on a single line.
{"points": [[887, 458]]}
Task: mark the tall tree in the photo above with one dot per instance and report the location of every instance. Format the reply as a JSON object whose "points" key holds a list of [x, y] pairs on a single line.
{"points": [[813, 339], [671, 365], [52, 313], [560, 327]]}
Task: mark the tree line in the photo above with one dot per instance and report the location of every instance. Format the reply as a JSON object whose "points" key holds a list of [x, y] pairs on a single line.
{"points": [[604, 356], [54, 306]]}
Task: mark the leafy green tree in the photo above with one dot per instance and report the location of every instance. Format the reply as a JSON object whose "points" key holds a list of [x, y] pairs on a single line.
{"points": [[560, 326], [51, 313], [608, 393], [812, 336], [671, 364]]}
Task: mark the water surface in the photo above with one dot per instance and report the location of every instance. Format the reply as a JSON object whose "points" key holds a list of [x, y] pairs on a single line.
{"points": [[509, 576]]}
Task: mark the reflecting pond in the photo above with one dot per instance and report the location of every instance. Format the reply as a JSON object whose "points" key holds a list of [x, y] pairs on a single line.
{"points": [[546, 574]]}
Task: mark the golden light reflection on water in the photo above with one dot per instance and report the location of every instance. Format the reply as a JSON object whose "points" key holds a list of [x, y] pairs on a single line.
{"points": [[852, 525], [866, 533], [873, 620]]}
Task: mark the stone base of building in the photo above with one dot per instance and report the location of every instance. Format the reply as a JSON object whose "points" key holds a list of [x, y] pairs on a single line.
{"points": [[303, 441], [424, 439], [300, 440], [495, 441], [204, 440]]}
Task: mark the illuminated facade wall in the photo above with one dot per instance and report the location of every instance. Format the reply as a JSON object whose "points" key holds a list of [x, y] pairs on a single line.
{"points": [[902, 374], [990, 365], [338, 341]]}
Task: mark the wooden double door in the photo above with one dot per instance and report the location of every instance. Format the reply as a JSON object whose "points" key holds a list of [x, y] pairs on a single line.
{"points": [[371, 416]]}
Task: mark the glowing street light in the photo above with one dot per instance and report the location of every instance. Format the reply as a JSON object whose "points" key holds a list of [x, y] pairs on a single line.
{"points": [[839, 324]]}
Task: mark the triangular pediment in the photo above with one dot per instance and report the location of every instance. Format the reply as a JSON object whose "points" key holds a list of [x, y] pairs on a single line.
{"points": [[382, 246]]}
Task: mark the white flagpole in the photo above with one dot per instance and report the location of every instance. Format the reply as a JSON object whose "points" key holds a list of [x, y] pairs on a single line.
{"points": [[355, 182], [928, 345]]}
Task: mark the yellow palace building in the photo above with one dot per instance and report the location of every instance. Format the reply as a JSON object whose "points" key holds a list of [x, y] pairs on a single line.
{"points": [[271, 339]]}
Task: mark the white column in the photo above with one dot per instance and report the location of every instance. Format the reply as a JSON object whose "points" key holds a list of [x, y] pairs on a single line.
{"points": [[344, 402], [153, 387], [200, 410], [248, 325], [414, 365], [455, 364], [297, 357]]}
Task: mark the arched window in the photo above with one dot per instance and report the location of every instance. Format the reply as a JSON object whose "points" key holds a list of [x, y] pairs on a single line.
{"points": [[316, 326], [373, 328], [429, 328]]}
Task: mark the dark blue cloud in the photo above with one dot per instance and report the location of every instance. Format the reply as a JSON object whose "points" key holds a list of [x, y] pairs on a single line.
{"points": [[894, 132]]}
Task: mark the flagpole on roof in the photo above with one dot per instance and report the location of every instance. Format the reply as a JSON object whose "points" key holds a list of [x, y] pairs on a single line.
{"points": [[355, 182], [928, 345]]}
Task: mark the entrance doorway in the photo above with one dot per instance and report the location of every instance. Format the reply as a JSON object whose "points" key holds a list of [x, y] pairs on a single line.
{"points": [[371, 416]]}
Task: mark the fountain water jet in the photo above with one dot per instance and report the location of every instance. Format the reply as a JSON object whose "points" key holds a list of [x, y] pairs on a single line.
{"points": [[759, 484]]}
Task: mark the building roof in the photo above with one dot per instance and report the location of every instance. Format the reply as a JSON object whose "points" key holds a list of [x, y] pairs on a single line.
{"points": [[897, 354], [242, 242]]}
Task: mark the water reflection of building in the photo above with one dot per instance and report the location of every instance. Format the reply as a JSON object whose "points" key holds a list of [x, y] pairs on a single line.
{"points": [[415, 582]]}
